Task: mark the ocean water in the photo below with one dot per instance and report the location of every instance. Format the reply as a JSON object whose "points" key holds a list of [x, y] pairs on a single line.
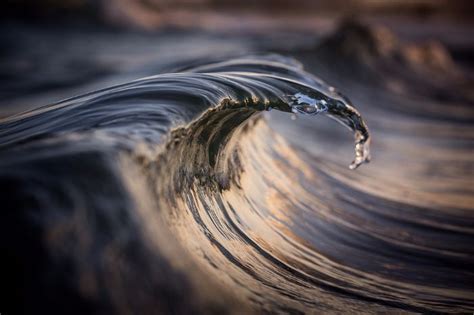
{"points": [[225, 185]]}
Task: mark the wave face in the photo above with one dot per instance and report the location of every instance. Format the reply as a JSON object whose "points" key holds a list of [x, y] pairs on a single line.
{"points": [[177, 193]]}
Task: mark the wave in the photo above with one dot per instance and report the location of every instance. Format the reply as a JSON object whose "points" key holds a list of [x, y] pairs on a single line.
{"points": [[174, 193], [152, 106]]}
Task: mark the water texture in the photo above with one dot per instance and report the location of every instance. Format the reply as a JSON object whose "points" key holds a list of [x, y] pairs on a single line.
{"points": [[182, 193]]}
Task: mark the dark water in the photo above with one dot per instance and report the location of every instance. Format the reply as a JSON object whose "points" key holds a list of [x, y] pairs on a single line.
{"points": [[193, 191]]}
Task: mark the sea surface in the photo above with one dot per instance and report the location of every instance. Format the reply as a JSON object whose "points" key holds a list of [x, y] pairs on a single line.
{"points": [[240, 181]]}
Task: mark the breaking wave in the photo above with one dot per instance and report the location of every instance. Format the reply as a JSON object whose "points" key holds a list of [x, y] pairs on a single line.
{"points": [[175, 193]]}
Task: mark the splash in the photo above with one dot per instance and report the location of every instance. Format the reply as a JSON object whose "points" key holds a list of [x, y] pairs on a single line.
{"points": [[306, 105], [342, 111]]}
